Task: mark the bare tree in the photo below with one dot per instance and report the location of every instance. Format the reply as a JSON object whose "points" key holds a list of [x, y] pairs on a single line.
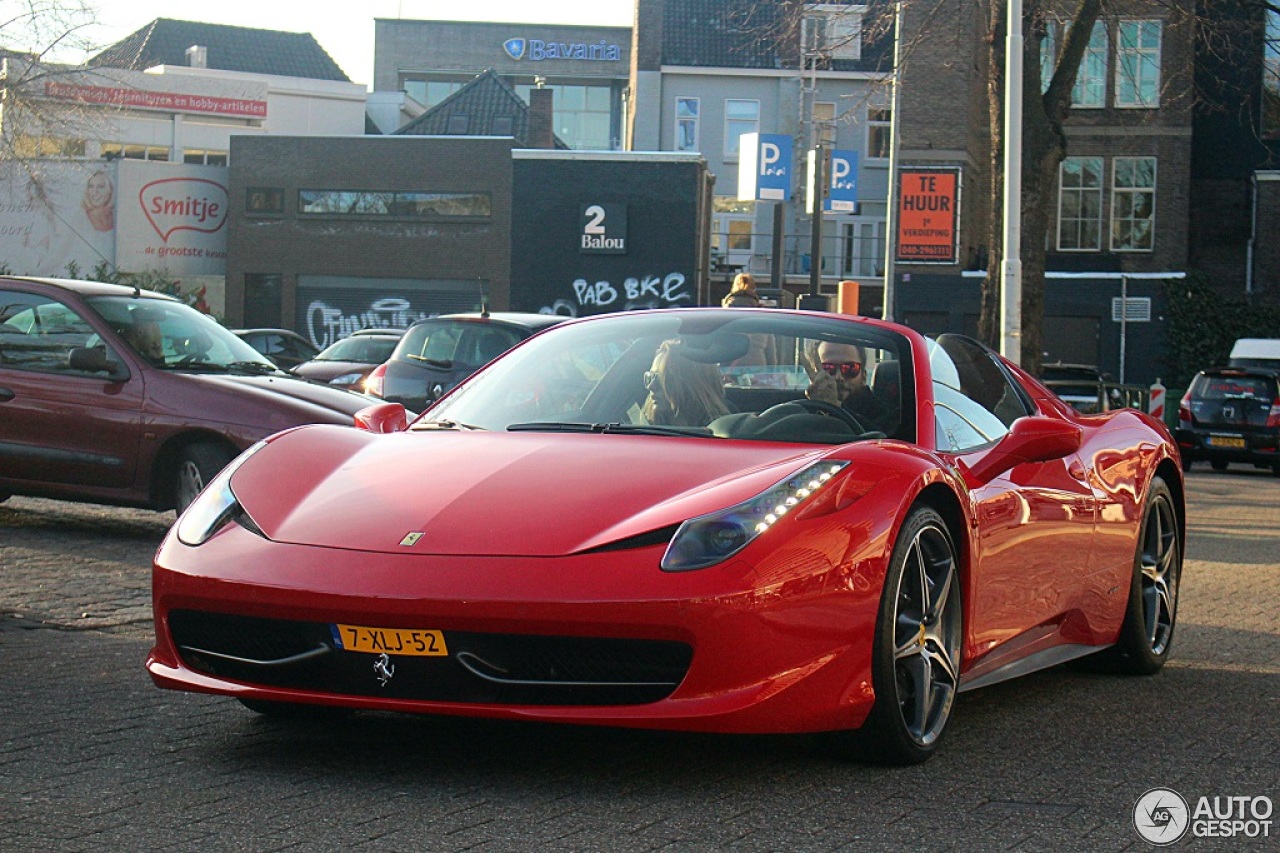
{"points": [[1227, 29], [34, 36]]}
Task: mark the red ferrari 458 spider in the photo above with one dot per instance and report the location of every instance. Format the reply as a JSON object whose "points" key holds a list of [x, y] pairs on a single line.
{"points": [[727, 520]]}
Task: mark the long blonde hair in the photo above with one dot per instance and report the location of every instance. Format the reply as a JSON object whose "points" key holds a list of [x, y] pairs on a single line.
{"points": [[743, 281], [693, 392]]}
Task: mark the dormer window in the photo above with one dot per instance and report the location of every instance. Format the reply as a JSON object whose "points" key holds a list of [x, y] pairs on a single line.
{"points": [[833, 30]]}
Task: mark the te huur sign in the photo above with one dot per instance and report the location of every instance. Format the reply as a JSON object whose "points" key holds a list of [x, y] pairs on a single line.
{"points": [[928, 216]]}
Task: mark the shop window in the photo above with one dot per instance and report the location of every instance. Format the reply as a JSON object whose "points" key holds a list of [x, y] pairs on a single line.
{"points": [[403, 204], [264, 200], [204, 157]]}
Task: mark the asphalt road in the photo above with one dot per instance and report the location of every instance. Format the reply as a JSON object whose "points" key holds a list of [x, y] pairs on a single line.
{"points": [[93, 757]]}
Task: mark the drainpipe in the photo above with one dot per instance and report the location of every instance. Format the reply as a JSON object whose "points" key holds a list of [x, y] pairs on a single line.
{"points": [[1253, 234]]}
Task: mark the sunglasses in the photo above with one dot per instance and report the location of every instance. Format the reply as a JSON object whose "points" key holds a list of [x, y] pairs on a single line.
{"points": [[847, 369], [652, 380]]}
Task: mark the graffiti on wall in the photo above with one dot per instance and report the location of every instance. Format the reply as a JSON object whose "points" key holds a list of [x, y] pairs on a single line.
{"points": [[327, 324], [651, 291]]}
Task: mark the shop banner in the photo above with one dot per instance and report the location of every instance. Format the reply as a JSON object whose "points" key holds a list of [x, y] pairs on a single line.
{"points": [[173, 218]]}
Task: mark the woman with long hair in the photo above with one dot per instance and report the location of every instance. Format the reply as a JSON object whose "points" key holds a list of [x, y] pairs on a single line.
{"points": [[742, 294], [682, 392]]}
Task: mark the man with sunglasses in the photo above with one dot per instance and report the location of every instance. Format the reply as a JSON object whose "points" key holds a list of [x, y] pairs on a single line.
{"points": [[839, 377]]}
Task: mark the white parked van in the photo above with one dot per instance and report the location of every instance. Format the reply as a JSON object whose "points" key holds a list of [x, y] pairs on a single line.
{"points": [[1256, 352]]}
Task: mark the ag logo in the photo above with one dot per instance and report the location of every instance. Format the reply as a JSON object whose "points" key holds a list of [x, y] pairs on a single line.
{"points": [[515, 48], [1161, 816]]}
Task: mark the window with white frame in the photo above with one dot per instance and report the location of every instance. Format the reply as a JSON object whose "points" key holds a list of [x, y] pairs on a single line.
{"points": [[1091, 78], [834, 30], [1080, 204], [879, 132], [1138, 64], [740, 116], [824, 123], [1133, 204], [687, 114]]}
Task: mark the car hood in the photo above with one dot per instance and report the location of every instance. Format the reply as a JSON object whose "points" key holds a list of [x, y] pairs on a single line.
{"points": [[324, 371], [270, 402], [502, 494]]}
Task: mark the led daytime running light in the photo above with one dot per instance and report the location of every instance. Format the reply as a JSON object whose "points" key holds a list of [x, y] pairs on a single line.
{"points": [[713, 538]]}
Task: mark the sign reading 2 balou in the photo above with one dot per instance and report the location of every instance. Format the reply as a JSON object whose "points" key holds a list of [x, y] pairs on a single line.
{"points": [[928, 216]]}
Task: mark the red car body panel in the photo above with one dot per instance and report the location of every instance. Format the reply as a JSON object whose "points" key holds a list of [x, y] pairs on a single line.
{"points": [[519, 533]]}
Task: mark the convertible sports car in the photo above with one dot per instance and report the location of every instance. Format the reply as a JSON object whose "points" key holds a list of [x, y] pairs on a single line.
{"points": [[728, 520]]}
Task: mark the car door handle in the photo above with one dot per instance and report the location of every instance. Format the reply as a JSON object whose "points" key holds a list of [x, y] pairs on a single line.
{"points": [[6, 395]]}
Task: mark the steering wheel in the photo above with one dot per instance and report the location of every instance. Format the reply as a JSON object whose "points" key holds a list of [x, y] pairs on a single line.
{"points": [[823, 408]]}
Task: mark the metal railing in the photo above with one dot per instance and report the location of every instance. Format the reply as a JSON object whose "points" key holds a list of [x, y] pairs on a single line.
{"points": [[842, 256], [1091, 398]]}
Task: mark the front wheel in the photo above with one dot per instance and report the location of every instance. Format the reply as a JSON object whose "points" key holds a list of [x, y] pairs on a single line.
{"points": [[1152, 612], [916, 656], [197, 465]]}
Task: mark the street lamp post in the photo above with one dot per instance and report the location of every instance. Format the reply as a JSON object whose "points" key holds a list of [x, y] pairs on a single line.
{"points": [[1011, 265]]}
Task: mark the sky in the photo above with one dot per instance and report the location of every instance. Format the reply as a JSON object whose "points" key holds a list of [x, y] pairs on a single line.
{"points": [[344, 28]]}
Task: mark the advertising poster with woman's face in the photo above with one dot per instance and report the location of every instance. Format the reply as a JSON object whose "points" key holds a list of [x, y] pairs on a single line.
{"points": [[57, 215], [99, 202]]}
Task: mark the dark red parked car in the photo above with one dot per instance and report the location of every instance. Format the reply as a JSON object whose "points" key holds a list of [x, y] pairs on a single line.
{"points": [[116, 395]]}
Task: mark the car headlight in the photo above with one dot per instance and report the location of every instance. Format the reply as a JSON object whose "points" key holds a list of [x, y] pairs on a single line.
{"points": [[215, 505], [347, 379], [710, 539]]}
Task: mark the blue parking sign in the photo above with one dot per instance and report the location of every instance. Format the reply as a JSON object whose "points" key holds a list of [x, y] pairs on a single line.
{"points": [[764, 167], [843, 194]]}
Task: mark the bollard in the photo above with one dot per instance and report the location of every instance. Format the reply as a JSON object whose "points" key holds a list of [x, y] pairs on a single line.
{"points": [[1155, 403]]}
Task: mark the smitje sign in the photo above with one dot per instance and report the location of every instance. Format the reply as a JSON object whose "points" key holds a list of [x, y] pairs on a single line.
{"points": [[928, 216], [842, 183], [764, 167]]}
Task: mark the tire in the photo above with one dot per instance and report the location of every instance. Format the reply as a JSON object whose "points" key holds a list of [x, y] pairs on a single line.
{"points": [[1152, 610], [916, 656], [1186, 463], [197, 464]]}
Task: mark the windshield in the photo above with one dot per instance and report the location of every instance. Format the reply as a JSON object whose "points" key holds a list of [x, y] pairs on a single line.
{"points": [[445, 343], [362, 349], [745, 374], [171, 334]]}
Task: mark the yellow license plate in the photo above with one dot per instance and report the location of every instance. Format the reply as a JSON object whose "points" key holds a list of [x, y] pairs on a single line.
{"points": [[391, 641], [1227, 441]]}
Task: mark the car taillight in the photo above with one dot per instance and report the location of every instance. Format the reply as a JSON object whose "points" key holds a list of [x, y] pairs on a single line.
{"points": [[373, 382], [1184, 409], [1273, 416]]}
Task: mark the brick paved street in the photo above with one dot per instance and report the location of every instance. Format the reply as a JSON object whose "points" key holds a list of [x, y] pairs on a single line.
{"points": [[92, 757]]}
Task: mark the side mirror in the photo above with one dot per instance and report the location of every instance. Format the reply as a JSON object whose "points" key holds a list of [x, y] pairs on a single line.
{"points": [[383, 418], [1031, 439], [94, 360]]}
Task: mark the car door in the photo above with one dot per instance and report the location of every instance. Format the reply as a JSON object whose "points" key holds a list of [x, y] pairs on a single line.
{"points": [[58, 425], [1034, 523]]}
